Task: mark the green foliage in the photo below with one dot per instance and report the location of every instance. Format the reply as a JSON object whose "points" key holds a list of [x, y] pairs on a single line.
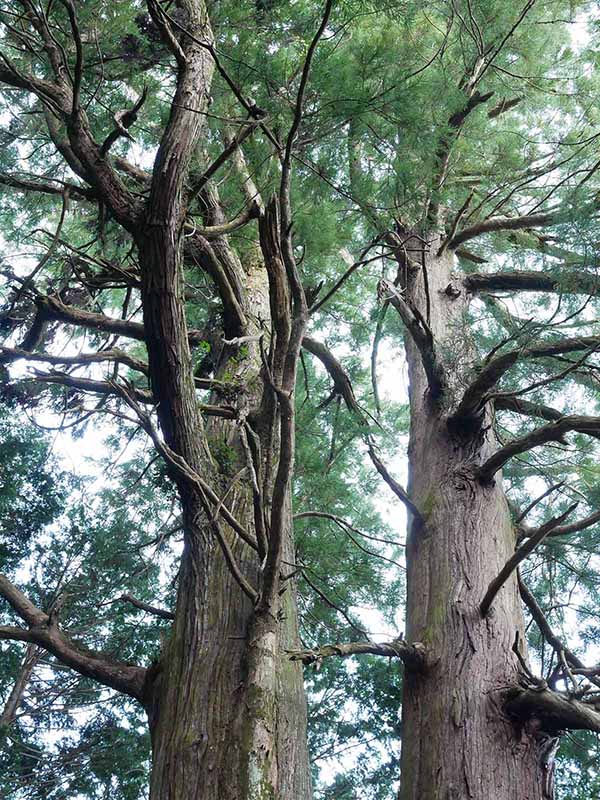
{"points": [[31, 492]]}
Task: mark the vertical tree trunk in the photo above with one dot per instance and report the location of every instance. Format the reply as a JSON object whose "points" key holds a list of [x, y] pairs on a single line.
{"points": [[224, 688], [456, 740], [226, 706]]}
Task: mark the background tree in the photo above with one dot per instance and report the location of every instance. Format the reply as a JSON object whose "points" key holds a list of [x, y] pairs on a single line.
{"points": [[451, 149]]}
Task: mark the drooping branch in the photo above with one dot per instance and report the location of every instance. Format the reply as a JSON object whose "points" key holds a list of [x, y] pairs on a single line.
{"points": [[44, 631], [396, 488], [518, 556], [412, 655], [344, 525], [543, 624], [343, 387], [183, 470], [526, 408]]}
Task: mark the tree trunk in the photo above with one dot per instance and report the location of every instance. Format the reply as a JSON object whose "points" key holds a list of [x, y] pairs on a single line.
{"points": [[227, 709], [457, 742], [226, 701]]}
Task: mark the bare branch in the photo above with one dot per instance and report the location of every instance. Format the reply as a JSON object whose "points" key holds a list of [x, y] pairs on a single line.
{"points": [[111, 356], [41, 186], [286, 169], [73, 315], [568, 282], [494, 224], [225, 228], [503, 106], [519, 555], [396, 488], [8, 713], [342, 384], [413, 655], [574, 527], [421, 335], [477, 394], [537, 500], [183, 470], [123, 120], [234, 144], [553, 432], [157, 612], [552, 710]]}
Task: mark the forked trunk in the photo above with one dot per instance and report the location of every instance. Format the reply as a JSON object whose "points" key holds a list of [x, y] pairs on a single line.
{"points": [[226, 706], [457, 742]]}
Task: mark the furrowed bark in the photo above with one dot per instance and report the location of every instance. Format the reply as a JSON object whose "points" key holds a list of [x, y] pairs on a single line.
{"points": [[456, 740], [226, 707]]}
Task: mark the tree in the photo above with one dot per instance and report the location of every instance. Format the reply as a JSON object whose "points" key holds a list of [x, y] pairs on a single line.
{"points": [[340, 134]]}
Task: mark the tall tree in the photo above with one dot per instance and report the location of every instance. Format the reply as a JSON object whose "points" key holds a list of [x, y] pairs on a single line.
{"points": [[425, 139]]}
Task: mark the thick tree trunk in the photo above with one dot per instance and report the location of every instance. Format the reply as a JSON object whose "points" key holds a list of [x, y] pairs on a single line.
{"points": [[457, 742], [226, 699], [227, 709]]}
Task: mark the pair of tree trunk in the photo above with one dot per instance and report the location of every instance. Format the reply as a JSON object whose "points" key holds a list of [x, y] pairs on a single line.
{"points": [[225, 700]]}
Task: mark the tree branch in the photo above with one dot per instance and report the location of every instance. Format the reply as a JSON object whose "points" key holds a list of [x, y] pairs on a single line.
{"points": [[552, 711], [476, 395], [413, 655], [9, 712], [569, 282], [519, 555], [43, 631], [157, 612], [504, 224], [553, 432], [112, 356], [421, 335], [396, 488]]}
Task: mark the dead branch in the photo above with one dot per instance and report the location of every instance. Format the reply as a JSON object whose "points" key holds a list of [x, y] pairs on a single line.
{"points": [[413, 655]]}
